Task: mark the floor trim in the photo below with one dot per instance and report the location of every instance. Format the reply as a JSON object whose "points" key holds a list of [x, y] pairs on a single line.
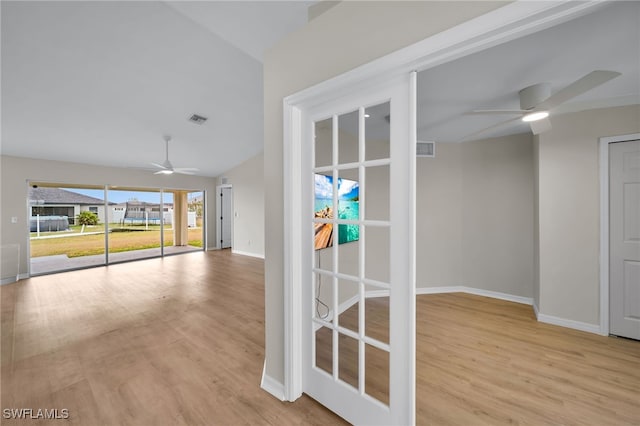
{"points": [[547, 319], [11, 280], [246, 253], [576, 325], [477, 292], [271, 385]]}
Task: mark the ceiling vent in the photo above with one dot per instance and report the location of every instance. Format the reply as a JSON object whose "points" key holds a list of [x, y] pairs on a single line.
{"points": [[425, 149], [198, 119]]}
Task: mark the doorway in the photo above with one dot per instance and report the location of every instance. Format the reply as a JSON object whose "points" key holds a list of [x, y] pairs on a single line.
{"points": [[224, 221], [352, 219], [80, 226], [624, 239]]}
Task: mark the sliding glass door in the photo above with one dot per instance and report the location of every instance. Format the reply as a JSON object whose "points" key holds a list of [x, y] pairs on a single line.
{"points": [[196, 220], [66, 227], [136, 229], [77, 226]]}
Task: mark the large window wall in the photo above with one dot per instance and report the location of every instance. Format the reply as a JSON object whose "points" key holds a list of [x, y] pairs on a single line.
{"points": [[104, 225]]}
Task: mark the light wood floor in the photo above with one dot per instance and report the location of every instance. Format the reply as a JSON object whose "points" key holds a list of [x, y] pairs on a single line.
{"points": [[180, 340], [170, 341], [484, 361]]}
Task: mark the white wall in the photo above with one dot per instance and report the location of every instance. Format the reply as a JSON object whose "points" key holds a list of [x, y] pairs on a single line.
{"points": [[569, 206], [497, 215], [247, 180], [536, 222], [475, 216], [344, 37], [16, 171], [439, 218]]}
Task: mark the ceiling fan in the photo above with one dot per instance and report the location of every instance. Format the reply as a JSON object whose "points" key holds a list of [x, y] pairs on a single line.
{"points": [[537, 102], [167, 168]]}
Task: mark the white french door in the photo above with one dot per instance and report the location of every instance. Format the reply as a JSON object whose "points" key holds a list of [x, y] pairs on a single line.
{"points": [[624, 239], [358, 251]]}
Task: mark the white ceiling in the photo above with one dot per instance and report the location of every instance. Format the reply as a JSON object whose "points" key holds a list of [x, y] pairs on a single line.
{"points": [[102, 82], [608, 39], [252, 26]]}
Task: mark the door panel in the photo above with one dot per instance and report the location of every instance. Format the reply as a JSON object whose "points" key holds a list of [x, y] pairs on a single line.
{"points": [[631, 290], [226, 202], [359, 314], [624, 231]]}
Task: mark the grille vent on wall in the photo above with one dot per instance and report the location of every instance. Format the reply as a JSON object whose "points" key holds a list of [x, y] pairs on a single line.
{"points": [[198, 119], [425, 149]]}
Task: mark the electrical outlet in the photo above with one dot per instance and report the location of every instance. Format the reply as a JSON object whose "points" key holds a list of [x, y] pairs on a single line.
{"points": [[14, 219]]}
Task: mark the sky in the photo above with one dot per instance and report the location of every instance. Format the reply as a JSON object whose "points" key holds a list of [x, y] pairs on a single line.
{"points": [[347, 189], [118, 196]]}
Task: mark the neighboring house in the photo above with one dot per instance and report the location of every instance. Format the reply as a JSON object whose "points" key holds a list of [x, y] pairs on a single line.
{"points": [[140, 211], [45, 201]]}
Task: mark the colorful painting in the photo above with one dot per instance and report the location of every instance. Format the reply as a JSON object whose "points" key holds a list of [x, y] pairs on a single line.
{"points": [[348, 208]]}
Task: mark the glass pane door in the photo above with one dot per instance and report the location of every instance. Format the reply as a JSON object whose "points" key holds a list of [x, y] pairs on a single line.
{"points": [[360, 280], [137, 222], [67, 227]]}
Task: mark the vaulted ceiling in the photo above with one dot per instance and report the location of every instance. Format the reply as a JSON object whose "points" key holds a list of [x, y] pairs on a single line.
{"points": [[102, 82]]}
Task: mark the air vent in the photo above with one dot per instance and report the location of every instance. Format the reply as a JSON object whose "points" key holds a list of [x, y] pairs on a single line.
{"points": [[198, 119], [425, 149]]}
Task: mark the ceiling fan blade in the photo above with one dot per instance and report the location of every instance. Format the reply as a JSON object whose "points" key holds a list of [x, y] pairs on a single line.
{"points": [[158, 165], [498, 111], [486, 129], [598, 103], [540, 126], [183, 172], [578, 87], [186, 169]]}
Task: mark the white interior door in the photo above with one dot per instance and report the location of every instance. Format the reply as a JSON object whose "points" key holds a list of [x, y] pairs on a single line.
{"points": [[226, 216], [359, 298], [624, 234]]}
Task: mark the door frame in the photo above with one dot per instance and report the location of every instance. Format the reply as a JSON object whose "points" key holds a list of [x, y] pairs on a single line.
{"points": [[504, 24], [604, 225], [219, 211]]}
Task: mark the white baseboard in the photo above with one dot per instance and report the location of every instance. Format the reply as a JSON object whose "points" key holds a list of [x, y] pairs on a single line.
{"points": [[271, 385], [477, 292], [548, 319], [212, 248], [377, 293], [352, 301], [439, 290], [562, 322], [246, 253], [11, 280], [346, 304]]}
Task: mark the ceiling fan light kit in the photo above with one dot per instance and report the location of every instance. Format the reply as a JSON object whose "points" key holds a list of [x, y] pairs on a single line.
{"points": [[535, 116], [537, 101], [533, 95]]}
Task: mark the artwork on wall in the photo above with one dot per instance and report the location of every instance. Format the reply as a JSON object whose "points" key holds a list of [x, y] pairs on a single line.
{"points": [[348, 209]]}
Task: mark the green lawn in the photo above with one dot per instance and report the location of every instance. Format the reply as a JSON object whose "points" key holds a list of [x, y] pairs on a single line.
{"points": [[86, 245]]}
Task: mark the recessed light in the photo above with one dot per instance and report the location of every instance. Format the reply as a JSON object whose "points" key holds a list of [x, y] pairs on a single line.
{"points": [[535, 116]]}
